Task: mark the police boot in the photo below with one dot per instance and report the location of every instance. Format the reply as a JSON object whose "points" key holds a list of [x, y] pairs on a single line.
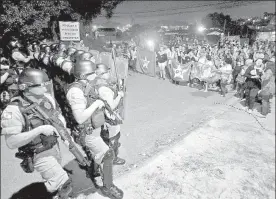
{"points": [[109, 189], [94, 168], [65, 190], [115, 146]]}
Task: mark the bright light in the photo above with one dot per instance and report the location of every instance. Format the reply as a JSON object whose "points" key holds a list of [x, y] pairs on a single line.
{"points": [[94, 27], [150, 43], [201, 29]]}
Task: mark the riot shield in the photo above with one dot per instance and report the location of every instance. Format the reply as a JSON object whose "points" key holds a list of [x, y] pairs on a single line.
{"points": [[50, 88], [120, 73], [106, 58]]}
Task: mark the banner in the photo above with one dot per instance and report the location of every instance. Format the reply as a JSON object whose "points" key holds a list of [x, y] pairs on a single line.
{"points": [[69, 31], [121, 67], [180, 72], [197, 71], [233, 38], [146, 62]]}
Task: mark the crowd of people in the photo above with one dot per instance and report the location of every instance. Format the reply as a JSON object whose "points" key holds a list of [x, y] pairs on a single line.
{"points": [[53, 88], [250, 69]]}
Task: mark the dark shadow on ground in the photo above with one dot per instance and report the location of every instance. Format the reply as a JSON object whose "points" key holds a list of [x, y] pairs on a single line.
{"points": [[35, 190], [81, 184], [257, 105]]}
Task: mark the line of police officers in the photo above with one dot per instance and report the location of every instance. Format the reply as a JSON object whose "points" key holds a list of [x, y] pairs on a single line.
{"points": [[86, 95]]}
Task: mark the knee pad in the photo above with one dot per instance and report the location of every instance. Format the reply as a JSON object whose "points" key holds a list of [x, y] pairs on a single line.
{"points": [[65, 189], [108, 156], [105, 135]]}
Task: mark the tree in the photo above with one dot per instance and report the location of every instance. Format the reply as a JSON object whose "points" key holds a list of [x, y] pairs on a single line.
{"points": [[33, 19], [217, 20]]}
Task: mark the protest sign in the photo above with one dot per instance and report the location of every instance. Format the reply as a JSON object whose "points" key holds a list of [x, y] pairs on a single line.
{"points": [[69, 31]]}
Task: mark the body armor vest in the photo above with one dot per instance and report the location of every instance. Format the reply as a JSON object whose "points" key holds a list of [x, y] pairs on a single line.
{"points": [[112, 87], [90, 92], [32, 120]]}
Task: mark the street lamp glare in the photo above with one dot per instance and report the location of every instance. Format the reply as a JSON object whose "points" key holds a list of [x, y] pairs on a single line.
{"points": [[201, 28], [150, 43]]}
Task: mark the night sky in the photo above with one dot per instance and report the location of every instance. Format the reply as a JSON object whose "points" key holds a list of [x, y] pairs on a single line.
{"points": [[191, 11]]}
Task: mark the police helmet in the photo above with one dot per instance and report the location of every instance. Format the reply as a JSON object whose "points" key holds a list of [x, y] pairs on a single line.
{"points": [[42, 47], [75, 56], [31, 77], [71, 51], [35, 47], [61, 47], [85, 56], [101, 69], [84, 68], [47, 49], [54, 47]]}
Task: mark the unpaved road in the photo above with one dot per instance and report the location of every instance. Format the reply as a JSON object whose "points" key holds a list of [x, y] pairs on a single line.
{"points": [[229, 157], [158, 113]]}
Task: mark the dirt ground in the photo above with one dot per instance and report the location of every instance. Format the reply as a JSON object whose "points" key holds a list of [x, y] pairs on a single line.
{"points": [[159, 115], [231, 156]]}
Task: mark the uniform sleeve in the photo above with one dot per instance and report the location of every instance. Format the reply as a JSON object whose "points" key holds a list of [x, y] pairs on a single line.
{"points": [[18, 56], [106, 93], [76, 99], [12, 121]]}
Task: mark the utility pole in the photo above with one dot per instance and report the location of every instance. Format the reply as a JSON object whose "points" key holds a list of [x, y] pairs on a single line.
{"points": [[224, 25]]}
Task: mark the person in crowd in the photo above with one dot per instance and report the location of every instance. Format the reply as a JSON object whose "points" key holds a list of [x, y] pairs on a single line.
{"points": [[252, 84], [162, 62], [133, 57]]}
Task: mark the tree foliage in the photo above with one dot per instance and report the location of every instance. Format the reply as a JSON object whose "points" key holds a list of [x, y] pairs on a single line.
{"points": [[38, 18], [225, 22], [217, 20]]}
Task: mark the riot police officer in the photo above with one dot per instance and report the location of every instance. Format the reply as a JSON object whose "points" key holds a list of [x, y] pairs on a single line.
{"points": [[109, 92], [88, 113], [18, 58], [30, 134]]}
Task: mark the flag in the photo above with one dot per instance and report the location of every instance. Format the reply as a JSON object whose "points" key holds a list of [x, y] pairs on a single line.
{"points": [[146, 62], [180, 72], [197, 71], [122, 67]]}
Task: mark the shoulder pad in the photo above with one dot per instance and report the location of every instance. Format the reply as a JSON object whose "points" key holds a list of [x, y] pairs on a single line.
{"points": [[75, 84]]}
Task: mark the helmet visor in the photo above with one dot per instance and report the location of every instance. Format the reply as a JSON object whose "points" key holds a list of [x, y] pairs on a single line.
{"points": [[46, 84]]}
